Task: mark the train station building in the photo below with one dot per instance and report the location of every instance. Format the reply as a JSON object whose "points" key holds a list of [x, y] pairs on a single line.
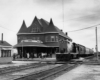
{"points": [[40, 37]]}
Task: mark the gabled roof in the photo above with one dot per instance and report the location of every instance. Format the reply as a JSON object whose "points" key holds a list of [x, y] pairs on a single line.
{"points": [[47, 27], [44, 23], [4, 44], [36, 23], [23, 28], [51, 28]]}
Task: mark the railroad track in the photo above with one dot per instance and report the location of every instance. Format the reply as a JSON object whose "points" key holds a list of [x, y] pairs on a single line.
{"points": [[47, 74], [19, 68]]}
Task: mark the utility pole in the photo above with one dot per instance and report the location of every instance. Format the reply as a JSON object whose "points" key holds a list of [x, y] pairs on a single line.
{"points": [[63, 13], [96, 43]]}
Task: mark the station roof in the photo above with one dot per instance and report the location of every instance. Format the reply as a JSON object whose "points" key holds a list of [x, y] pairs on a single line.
{"points": [[30, 44], [51, 28], [47, 27]]}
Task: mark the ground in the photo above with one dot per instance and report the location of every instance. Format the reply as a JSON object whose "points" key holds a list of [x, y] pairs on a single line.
{"points": [[83, 72]]}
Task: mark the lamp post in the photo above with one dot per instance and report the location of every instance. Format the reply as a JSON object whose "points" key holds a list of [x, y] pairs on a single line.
{"points": [[22, 49]]}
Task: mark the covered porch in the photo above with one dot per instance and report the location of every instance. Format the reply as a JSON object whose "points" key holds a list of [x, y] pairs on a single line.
{"points": [[35, 50]]}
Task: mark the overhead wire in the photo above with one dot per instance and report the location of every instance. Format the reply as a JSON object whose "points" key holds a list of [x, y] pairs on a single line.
{"points": [[8, 29], [84, 28], [77, 29]]}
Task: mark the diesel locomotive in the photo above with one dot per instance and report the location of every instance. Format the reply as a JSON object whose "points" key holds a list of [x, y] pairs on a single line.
{"points": [[72, 50]]}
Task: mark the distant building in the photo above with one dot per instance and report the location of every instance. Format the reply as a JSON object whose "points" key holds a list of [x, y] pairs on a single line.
{"points": [[5, 52], [40, 36]]}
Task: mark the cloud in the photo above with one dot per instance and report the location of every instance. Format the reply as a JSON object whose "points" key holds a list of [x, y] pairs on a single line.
{"points": [[90, 16], [80, 14], [53, 2], [84, 37], [82, 10]]}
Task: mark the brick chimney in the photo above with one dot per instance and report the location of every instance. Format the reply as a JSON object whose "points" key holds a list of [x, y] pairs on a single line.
{"points": [[2, 38], [66, 33], [61, 30]]}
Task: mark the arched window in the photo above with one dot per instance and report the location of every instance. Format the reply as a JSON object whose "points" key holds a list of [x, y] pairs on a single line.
{"points": [[35, 29]]}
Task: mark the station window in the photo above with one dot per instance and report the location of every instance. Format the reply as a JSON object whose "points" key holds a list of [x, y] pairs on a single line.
{"points": [[56, 38], [5, 53], [47, 39], [52, 38]]}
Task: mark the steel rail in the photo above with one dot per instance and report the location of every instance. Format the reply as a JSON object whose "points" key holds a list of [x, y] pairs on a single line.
{"points": [[46, 73], [20, 68]]}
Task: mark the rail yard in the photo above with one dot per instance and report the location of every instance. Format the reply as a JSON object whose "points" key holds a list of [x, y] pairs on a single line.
{"points": [[13, 72], [44, 70]]}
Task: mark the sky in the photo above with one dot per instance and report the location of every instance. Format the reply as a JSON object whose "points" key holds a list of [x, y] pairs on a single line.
{"points": [[68, 15]]}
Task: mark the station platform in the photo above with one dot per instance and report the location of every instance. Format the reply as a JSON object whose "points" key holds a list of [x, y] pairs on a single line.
{"points": [[82, 72], [37, 59], [19, 62], [16, 63]]}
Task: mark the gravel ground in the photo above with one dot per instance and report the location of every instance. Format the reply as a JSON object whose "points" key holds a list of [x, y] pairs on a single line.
{"points": [[17, 63], [14, 75], [83, 72]]}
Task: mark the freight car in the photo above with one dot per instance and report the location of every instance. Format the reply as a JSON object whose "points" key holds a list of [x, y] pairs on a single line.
{"points": [[89, 52], [84, 51], [81, 50], [71, 50]]}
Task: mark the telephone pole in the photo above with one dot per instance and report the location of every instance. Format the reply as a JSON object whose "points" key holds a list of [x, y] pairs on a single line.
{"points": [[96, 44]]}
